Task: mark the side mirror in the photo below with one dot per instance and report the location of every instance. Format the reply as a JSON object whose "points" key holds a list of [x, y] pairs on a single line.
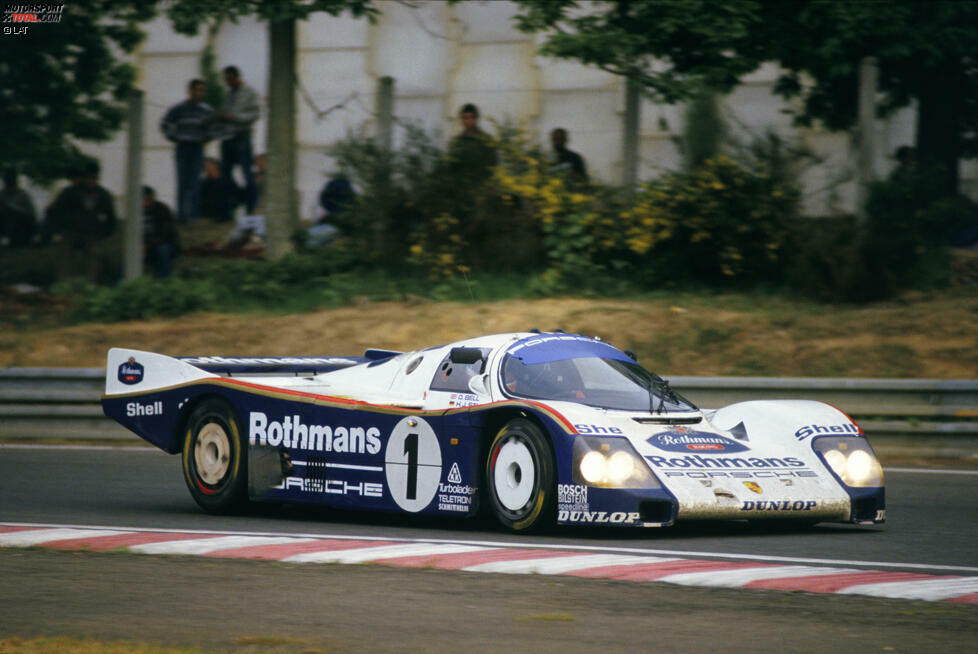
{"points": [[465, 355]]}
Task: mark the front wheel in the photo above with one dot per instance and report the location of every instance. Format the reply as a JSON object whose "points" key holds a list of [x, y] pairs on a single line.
{"points": [[520, 477], [215, 458]]}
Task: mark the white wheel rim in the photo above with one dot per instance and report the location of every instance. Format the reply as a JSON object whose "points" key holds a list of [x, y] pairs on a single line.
{"points": [[514, 475], [212, 454]]}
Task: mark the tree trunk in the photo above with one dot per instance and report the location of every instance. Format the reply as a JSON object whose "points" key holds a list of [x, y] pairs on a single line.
{"points": [[281, 212], [939, 117]]}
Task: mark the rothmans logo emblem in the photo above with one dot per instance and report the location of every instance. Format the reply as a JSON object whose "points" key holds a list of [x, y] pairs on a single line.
{"points": [[131, 372], [753, 486], [683, 439]]}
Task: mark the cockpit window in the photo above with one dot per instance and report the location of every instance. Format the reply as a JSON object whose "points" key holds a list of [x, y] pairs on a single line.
{"points": [[608, 383], [454, 377]]}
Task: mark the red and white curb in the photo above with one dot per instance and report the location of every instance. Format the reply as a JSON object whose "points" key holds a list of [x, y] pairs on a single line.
{"points": [[489, 557]]}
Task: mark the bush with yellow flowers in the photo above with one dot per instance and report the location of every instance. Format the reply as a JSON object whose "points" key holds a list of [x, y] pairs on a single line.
{"points": [[421, 206], [580, 240], [719, 221]]}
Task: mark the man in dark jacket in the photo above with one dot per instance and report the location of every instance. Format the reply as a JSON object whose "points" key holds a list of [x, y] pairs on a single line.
{"points": [[160, 238], [189, 125], [567, 160], [84, 215]]}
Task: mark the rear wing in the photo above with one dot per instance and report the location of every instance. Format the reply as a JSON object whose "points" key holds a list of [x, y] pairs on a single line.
{"points": [[280, 365], [134, 371]]}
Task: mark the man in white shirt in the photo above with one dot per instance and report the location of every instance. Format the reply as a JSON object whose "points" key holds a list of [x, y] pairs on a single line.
{"points": [[238, 113]]}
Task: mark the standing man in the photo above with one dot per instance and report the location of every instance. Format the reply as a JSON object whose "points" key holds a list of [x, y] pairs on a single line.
{"points": [[239, 111], [565, 159], [471, 151], [188, 124]]}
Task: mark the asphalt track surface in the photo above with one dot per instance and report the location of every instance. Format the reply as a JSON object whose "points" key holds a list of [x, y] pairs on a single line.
{"points": [[931, 529], [932, 517]]}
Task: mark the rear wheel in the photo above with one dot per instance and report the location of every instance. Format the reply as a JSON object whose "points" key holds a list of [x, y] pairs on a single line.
{"points": [[520, 477], [215, 460]]}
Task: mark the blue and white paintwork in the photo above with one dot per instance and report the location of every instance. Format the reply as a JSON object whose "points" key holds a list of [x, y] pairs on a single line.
{"points": [[409, 432]]}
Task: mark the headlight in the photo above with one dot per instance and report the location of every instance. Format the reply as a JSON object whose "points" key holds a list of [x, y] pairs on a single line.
{"points": [[593, 466], [852, 459], [621, 465], [837, 461], [610, 463], [860, 467]]}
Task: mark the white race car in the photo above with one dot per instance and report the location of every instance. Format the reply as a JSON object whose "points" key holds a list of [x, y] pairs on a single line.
{"points": [[535, 428]]}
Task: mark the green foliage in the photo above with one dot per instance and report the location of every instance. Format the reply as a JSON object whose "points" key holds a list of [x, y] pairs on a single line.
{"points": [[63, 82], [294, 283], [144, 298], [396, 187], [672, 47], [905, 242], [719, 222], [901, 245], [188, 15], [925, 52]]}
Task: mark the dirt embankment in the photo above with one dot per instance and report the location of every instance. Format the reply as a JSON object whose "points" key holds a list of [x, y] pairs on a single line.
{"points": [[917, 336]]}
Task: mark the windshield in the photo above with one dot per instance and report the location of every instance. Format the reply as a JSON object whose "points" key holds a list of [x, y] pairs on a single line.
{"points": [[608, 383]]}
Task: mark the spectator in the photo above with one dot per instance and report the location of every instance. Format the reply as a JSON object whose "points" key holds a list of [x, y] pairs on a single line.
{"points": [[472, 152], [337, 197], [239, 112], [335, 201], [189, 125], [18, 219], [161, 240], [84, 215], [567, 160], [906, 168]]}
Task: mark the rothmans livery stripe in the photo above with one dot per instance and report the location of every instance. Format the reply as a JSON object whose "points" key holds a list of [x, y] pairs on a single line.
{"points": [[498, 559]]}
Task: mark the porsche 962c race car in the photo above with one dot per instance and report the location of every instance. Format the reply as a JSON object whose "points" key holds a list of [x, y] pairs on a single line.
{"points": [[534, 428]]}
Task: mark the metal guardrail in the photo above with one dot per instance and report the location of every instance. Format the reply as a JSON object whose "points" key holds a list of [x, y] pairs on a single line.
{"points": [[905, 414]]}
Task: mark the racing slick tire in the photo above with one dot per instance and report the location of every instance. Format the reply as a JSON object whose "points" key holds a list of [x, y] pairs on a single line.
{"points": [[215, 461], [520, 479]]}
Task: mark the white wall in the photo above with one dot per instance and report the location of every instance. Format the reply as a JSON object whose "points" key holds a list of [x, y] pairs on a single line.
{"points": [[442, 56]]}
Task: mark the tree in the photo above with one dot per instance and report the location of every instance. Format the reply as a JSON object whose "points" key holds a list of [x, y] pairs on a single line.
{"points": [[925, 52], [673, 48], [62, 83], [281, 212]]}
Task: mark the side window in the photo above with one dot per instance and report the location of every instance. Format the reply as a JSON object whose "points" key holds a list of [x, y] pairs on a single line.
{"points": [[454, 377]]}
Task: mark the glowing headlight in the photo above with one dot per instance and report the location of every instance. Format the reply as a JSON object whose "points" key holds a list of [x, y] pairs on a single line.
{"points": [[621, 465], [593, 467], [851, 459], [860, 467], [837, 460], [606, 462]]}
